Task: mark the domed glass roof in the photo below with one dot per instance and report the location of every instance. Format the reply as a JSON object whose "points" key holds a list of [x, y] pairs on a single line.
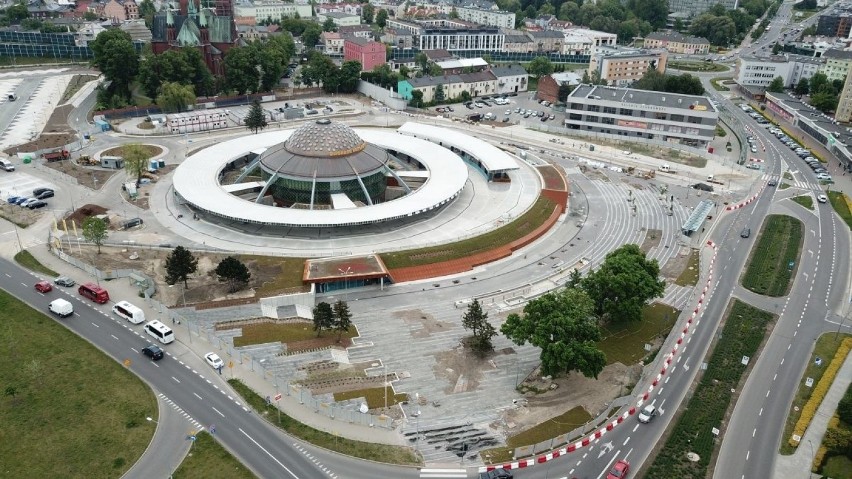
{"points": [[323, 138]]}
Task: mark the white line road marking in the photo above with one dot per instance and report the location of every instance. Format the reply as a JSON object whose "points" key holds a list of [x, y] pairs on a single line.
{"points": [[95, 325], [748, 453], [217, 411], [176, 380], [268, 454], [761, 412], [196, 395], [754, 432], [635, 428], [113, 337], [626, 441]]}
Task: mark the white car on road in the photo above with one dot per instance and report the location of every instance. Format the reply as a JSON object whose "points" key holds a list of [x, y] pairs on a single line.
{"points": [[648, 413], [214, 360]]}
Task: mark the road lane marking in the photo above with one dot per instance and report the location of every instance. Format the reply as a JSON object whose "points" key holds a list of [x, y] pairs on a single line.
{"points": [[176, 379], [748, 453], [95, 325], [635, 428], [626, 441], [217, 411], [113, 337], [754, 432], [196, 395], [268, 454], [761, 412]]}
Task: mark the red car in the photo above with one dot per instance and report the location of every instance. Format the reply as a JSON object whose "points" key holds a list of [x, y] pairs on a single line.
{"points": [[43, 287], [619, 470]]}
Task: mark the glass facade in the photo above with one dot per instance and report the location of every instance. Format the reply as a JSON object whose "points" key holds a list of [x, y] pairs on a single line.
{"points": [[289, 191]]}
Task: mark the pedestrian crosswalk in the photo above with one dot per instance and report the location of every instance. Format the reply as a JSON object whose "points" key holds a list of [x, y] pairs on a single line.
{"points": [[794, 183], [434, 473]]}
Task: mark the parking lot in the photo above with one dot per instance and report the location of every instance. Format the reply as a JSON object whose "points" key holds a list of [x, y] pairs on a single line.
{"points": [[513, 110]]}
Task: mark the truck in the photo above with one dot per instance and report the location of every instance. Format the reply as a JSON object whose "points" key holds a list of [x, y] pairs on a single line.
{"points": [[475, 117], [666, 169], [57, 155]]}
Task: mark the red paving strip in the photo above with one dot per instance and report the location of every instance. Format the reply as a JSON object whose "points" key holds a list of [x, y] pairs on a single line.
{"points": [[460, 265]]}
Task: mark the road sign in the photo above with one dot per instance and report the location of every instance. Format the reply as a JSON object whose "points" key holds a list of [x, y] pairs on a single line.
{"points": [[809, 382], [277, 397]]}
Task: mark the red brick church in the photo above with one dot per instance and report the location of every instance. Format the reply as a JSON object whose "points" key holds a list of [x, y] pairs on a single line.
{"points": [[207, 25]]}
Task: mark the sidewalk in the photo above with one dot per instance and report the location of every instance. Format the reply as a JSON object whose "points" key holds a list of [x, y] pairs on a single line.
{"points": [[801, 460], [121, 288]]}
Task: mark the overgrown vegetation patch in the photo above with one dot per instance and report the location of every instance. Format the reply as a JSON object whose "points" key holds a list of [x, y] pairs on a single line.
{"points": [[525, 224], [27, 260], [625, 342], [293, 334], [744, 331], [207, 458], [841, 204], [772, 263]]}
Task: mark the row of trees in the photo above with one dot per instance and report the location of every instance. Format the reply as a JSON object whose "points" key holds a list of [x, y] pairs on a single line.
{"points": [[824, 94], [321, 70], [724, 27], [656, 81], [337, 318], [565, 324], [181, 264]]}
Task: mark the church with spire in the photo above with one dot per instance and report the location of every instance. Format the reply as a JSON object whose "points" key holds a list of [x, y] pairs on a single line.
{"points": [[207, 25]]}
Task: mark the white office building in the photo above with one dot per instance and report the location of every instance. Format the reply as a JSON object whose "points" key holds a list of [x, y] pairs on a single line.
{"points": [[450, 39], [760, 71], [494, 18], [271, 9]]}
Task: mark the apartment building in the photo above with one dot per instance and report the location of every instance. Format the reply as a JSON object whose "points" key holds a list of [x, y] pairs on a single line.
{"points": [[260, 10], [674, 42], [752, 71], [341, 19], [493, 18], [331, 43], [802, 66], [476, 84], [371, 54], [621, 67], [837, 63], [687, 119], [511, 79], [844, 103]]}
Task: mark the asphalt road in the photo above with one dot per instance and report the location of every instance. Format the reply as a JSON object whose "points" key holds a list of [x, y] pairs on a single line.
{"points": [[182, 378]]}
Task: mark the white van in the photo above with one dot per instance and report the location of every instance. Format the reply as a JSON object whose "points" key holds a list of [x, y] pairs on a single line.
{"points": [[159, 331], [129, 312], [6, 165], [61, 308]]}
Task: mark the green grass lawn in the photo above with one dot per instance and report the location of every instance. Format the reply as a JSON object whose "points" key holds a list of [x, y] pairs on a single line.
{"points": [[551, 428], [689, 276], [837, 467], [289, 278], [290, 332], [526, 223], [826, 348], [625, 342], [375, 396], [768, 270], [209, 460], [744, 330], [690, 66], [788, 176], [841, 206], [717, 83], [67, 409], [805, 200], [363, 450], [27, 260], [784, 186]]}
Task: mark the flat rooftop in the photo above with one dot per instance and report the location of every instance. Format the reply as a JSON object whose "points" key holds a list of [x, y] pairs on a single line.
{"points": [[643, 97], [341, 268], [491, 157]]}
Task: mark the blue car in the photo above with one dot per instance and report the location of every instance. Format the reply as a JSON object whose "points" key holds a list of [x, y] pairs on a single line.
{"points": [[11, 200], [20, 200]]}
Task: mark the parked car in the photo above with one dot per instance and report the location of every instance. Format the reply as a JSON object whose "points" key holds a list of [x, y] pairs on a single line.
{"points": [[43, 287], [64, 281], [36, 205], [214, 360], [822, 198], [27, 202], [12, 199], [498, 473], [19, 200], [44, 195], [39, 191]]}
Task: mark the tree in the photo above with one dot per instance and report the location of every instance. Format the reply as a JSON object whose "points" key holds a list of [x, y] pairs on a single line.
{"points": [[367, 12], [563, 325], [623, 284], [819, 83], [824, 101], [329, 25], [476, 320], [115, 56], [135, 160], [323, 317], [180, 263], [776, 48], [654, 11], [17, 12], [241, 73], [416, 99], [439, 93], [234, 272], [174, 97], [421, 61], [311, 35], [465, 96], [95, 231], [382, 18], [91, 16], [342, 318], [802, 87], [147, 11], [844, 407], [256, 118], [568, 11], [540, 66], [776, 85]]}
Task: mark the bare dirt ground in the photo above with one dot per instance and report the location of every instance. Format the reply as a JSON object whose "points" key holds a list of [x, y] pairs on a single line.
{"points": [[55, 134], [676, 264], [92, 178], [22, 217], [202, 287], [652, 240]]}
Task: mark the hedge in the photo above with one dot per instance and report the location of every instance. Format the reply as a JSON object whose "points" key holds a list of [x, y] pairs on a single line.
{"points": [[822, 451], [821, 389]]}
